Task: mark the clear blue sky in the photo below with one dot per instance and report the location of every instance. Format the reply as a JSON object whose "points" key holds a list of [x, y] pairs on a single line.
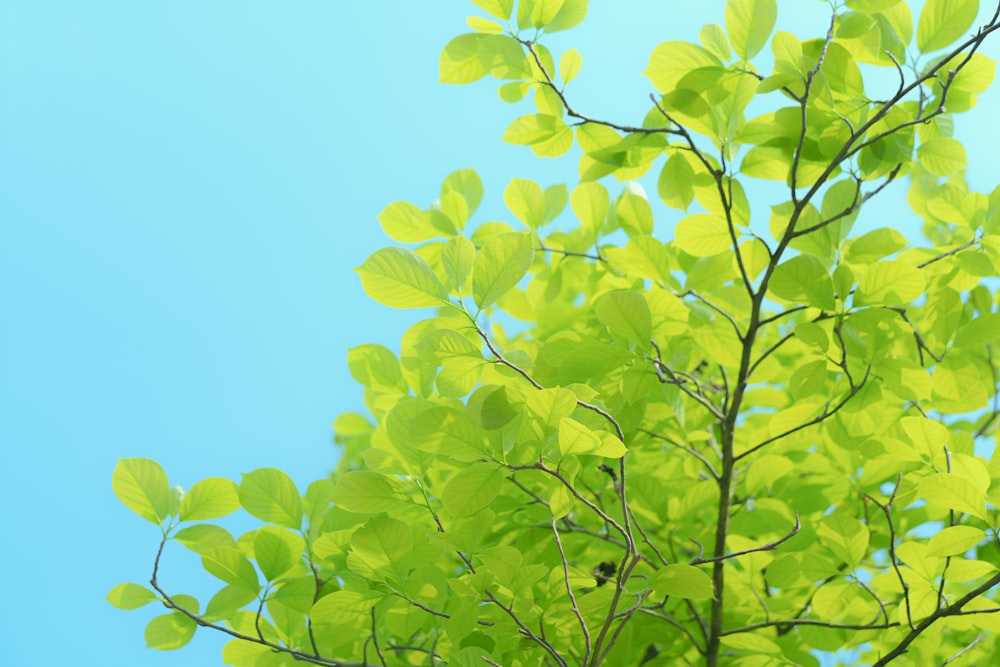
{"points": [[184, 189]]}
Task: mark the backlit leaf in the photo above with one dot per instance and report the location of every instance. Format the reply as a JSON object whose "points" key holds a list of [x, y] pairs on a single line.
{"points": [[682, 581], [627, 316], [472, 489], [398, 278], [500, 265], [569, 65], [952, 492], [210, 498], [954, 540], [526, 201], [460, 61], [944, 21], [368, 491], [170, 631], [749, 23], [130, 596], [270, 495], [702, 235], [142, 486]]}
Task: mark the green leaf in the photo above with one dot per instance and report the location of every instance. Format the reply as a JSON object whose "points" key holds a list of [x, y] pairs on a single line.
{"points": [[344, 607], [569, 65], [570, 13], [498, 8], [142, 486], [944, 21], [676, 182], [550, 406], [229, 599], [472, 489], [487, 26], [444, 430], [130, 596], [232, 567], [465, 182], [803, 279], [682, 581], [942, 157], [634, 213], [500, 265], [556, 197], [204, 537], [381, 548], [713, 38], [270, 495], [209, 499], [845, 536], [626, 314], [367, 491], [460, 61], [398, 278], [954, 541], [672, 61], [590, 202], [276, 550], [871, 6], [749, 23], [702, 235], [376, 367], [873, 246], [170, 631], [535, 129], [950, 491], [890, 283], [457, 256], [526, 201], [575, 438]]}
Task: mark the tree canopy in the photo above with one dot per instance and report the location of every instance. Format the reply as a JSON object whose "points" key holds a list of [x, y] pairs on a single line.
{"points": [[698, 430]]}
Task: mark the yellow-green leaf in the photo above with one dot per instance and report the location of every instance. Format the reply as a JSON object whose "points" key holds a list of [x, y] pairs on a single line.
{"points": [[954, 540], [526, 201], [498, 8], [713, 38], [949, 491], [209, 499], [890, 283], [398, 278], [569, 65], [270, 495], [472, 489], [460, 61], [142, 487], [627, 316], [575, 438], [944, 21], [500, 265], [942, 157], [702, 235], [368, 491], [749, 23], [130, 596], [682, 581], [169, 631]]}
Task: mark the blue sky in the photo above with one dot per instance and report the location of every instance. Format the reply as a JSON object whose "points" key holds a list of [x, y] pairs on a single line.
{"points": [[184, 189]]}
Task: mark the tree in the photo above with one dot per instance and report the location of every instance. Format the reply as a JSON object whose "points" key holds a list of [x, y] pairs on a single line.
{"points": [[738, 446]]}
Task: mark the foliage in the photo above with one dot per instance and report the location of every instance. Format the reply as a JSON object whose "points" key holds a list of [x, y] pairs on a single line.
{"points": [[763, 438]]}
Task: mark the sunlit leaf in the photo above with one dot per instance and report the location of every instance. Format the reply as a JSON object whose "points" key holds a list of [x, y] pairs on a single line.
{"points": [[270, 495], [142, 487], [398, 278]]}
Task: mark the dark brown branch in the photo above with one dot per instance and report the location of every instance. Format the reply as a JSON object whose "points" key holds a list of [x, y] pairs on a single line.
{"points": [[770, 546], [570, 111]]}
